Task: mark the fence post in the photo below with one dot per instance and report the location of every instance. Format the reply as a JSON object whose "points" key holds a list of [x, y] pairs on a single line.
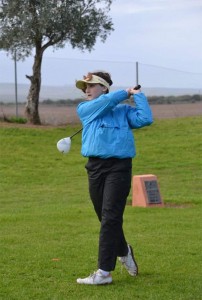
{"points": [[137, 73], [16, 85]]}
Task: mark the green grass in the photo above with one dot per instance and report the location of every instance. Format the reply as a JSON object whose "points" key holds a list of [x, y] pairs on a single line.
{"points": [[49, 232]]}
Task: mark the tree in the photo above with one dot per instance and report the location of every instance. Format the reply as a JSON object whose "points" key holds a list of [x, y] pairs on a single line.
{"points": [[38, 24]]}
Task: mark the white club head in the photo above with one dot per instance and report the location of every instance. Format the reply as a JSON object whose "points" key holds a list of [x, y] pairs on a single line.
{"points": [[64, 145]]}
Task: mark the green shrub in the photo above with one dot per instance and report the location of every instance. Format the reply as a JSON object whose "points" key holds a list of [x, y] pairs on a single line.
{"points": [[18, 120]]}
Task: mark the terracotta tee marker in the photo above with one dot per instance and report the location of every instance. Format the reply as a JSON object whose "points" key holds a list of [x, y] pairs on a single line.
{"points": [[145, 191]]}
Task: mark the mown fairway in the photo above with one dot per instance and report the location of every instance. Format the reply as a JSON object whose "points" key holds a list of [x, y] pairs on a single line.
{"points": [[49, 232]]}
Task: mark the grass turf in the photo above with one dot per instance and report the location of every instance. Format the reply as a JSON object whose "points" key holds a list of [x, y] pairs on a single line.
{"points": [[49, 232]]}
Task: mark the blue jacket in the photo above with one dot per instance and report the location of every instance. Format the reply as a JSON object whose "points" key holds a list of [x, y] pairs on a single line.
{"points": [[107, 125]]}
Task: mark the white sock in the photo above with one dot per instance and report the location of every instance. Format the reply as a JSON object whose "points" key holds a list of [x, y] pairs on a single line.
{"points": [[104, 273]]}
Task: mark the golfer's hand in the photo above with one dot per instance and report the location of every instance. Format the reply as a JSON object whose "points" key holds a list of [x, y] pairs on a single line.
{"points": [[132, 91]]}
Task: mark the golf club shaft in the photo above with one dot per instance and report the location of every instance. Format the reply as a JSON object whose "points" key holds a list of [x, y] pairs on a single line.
{"points": [[75, 133]]}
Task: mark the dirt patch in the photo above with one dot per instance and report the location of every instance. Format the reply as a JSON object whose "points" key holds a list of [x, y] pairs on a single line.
{"points": [[60, 115], [177, 205], [169, 111]]}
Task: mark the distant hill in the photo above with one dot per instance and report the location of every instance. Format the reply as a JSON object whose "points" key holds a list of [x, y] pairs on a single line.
{"points": [[7, 92]]}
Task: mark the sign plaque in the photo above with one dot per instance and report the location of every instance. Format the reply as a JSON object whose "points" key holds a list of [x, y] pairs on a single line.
{"points": [[152, 190]]}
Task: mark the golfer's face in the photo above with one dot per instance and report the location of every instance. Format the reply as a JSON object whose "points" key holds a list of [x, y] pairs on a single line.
{"points": [[94, 90]]}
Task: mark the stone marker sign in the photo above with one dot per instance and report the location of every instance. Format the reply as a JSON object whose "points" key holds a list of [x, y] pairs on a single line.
{"points": [[145, 191]]}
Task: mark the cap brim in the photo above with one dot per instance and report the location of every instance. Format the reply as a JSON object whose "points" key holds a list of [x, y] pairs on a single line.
{"points": [[80, 84]]}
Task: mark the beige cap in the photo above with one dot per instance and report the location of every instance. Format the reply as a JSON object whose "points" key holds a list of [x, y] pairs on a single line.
{"points": [[90, 78]]}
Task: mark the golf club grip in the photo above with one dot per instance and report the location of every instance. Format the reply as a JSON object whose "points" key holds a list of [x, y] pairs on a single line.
{"points": [[137, 87]]}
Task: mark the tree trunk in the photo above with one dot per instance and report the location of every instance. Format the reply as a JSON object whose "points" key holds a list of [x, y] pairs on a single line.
{"points": [[31, 108]]}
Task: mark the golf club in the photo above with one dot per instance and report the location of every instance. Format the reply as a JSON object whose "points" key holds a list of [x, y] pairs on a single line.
{"points": [[64, 144]]}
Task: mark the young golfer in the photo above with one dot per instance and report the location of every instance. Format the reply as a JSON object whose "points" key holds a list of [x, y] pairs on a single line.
{"points": [[108, 142]]}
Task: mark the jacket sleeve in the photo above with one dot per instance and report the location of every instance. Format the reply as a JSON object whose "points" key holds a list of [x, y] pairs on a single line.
{"points": [[90, 110], [141, 115]]}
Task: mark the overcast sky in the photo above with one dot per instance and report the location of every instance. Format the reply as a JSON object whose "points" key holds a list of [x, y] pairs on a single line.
{"points": [[153, 32]]}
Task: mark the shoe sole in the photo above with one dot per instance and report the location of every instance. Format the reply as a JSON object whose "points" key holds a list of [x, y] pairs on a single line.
{"points": [[107, 280], [132, 254]]}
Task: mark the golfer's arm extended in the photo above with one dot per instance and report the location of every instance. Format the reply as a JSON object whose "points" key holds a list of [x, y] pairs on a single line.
{"points": [[90, 110], [141, 115]]}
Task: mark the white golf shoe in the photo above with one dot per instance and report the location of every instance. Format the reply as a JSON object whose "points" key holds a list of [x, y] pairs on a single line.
{"points": [[129, 262], [96, 278]]}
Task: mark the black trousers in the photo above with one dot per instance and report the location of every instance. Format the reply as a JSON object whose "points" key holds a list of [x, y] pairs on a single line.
{"points": [[109, 186]]}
